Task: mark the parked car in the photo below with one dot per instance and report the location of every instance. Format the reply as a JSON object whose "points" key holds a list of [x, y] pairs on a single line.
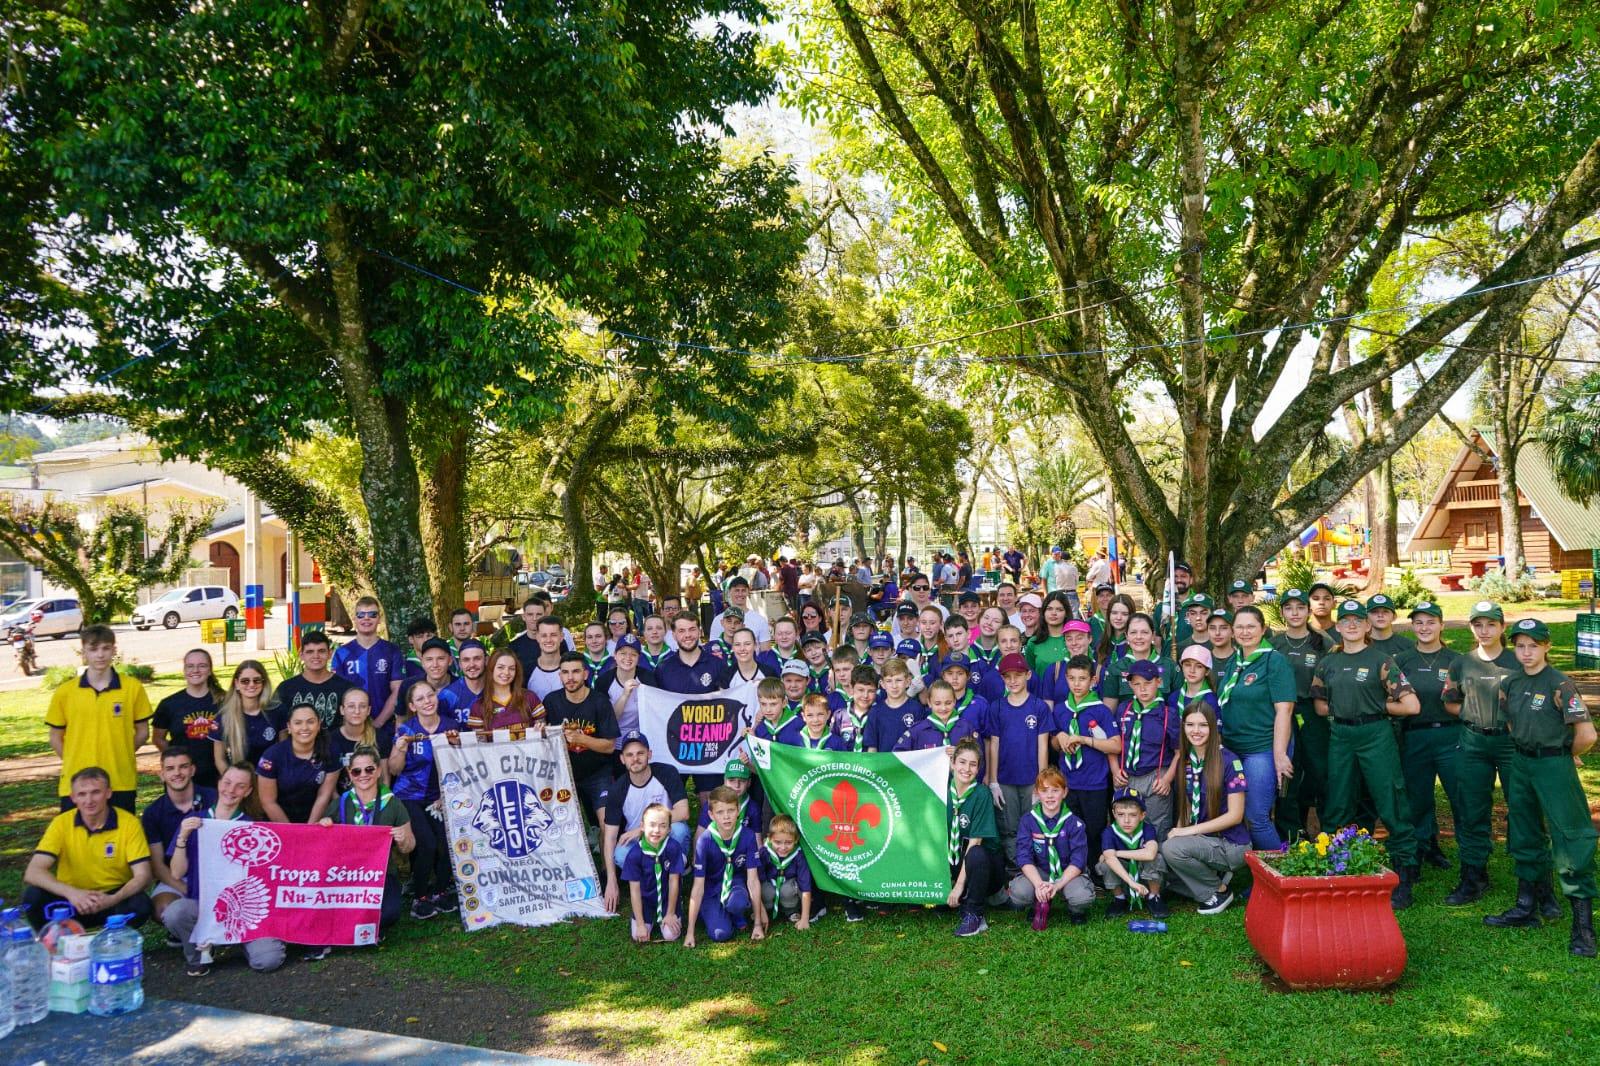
{"points": [[62, 616], [190, 603]]}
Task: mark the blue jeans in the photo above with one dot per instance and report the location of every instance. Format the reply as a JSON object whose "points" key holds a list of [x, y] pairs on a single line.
{"points": [[1261, 792], [678, 831]]}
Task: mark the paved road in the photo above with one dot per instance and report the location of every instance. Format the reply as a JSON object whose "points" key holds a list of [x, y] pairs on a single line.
{"points": [[162, 648], [185, 1034]]}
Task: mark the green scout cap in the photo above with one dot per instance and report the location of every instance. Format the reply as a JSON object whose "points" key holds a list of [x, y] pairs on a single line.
{"points": [[1351, 609], [1296, 595], [1531, 627], [1222, 613], [1486, 609], [1427, 607], [1199, 599], [1241, 586], [736, 768], [1380, 602]]}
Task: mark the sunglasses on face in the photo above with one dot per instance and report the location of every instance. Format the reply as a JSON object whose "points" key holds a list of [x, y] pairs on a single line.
{"points": [[366, 614], [919, 588], [619, 623], [249, 680], [362, 771]]}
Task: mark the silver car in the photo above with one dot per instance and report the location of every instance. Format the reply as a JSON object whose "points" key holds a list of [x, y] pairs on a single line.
{"points": [[188, 603], [62, 616]]}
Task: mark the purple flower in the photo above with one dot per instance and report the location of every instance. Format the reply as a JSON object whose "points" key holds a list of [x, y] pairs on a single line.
{"points": [[1338, 867]]}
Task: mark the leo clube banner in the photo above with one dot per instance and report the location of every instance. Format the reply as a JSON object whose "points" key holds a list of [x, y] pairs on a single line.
{"points": [[691, 733], [875, 826], [517, 838]]}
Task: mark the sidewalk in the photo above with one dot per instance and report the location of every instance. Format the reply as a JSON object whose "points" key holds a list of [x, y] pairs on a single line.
{"points": [[184, 1034]]}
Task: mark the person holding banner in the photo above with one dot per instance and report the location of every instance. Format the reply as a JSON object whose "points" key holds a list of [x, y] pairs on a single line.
{"points": [[975, 862], [505, 703], [368, 802], [456, 698], [297, 776], [727, 877], [233, 793], [416, 785], [641, 786]]}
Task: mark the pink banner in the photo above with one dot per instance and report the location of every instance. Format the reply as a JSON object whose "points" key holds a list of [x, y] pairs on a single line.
{"points": [[307, 884]]}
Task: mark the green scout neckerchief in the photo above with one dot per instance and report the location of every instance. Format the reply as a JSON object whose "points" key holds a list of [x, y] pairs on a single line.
{"points": [[780, 867], [957, 798], [1074, 758], [654, 853], [1194, 771], [807, 741], [944, 728], [365, 813], [726, 848], [1051, 832], [1131, 843], [1238, 671], [1135, 741], [858, 732]]}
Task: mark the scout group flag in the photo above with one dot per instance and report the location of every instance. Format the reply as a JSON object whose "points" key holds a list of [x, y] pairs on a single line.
{"points": [[698, 732], [307, 884], [517, 838], [875, 826]]}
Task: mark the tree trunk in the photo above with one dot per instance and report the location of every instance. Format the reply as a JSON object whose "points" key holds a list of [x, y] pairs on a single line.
{"points": [[1385, 523], [443, 485], [802, 531], [905, 533], [582, 574], [880, 527], [858, 528], [1510, 509]]}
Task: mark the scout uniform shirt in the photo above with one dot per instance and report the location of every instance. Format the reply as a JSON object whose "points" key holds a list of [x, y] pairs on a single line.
{"points": [[101, 860], [651, 872], [1114, 685], [1149, 736], [1195, 791], [1475, 684], [1358, 686], [1303, 654], [1085, 769], [972, 817], [1541, 710], [1050, 845], [1018, 729], [99, 729], [1429, 674], [1247, 696]]}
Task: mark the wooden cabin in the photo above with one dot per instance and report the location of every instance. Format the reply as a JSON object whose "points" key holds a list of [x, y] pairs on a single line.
{"points": [[1463, 517]]}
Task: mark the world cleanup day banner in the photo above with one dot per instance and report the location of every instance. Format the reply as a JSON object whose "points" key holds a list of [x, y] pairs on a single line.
{"points": [[875, 825], [696, 732], [517, 838]]}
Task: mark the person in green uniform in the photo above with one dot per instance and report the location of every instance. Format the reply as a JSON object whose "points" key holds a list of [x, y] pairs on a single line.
{"points": [[1219, 638], [1473, 694], [1381, 616], [1323, 597], [1241, 593], [1360, 688], [1303, 647], [1256, 697], [1141, 645], [975, 859], [1100, 609], [1047, 645], [1549, 726], [1430, 743], [1182, 582], [1191, 628]]}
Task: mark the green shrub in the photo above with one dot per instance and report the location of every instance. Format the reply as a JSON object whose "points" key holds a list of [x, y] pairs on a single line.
{"points": [[1497, 586], [1410, 591], [56, 676]]}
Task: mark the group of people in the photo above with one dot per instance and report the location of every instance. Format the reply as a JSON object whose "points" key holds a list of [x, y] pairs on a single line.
{"points": [[1101, 748]]}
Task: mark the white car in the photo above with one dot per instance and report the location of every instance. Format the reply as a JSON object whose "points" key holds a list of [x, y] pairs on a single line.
{"points": [[62, 616], [190, 603]]}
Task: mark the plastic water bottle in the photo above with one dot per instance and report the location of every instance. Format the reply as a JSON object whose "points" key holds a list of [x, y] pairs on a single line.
{"points": [[29, 965], [8, 1016], [58, 922], [116, 968], [1146, 925]]}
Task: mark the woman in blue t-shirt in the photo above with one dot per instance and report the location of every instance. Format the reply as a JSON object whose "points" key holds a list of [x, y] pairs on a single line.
{"points": [[417, 786], [297, 776]]}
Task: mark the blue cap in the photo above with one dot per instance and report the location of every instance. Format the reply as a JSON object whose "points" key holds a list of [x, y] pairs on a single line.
{"points": [[469, 643], [630, 737], [880, 640], [911, 649], [628, 640], [957, 660]]}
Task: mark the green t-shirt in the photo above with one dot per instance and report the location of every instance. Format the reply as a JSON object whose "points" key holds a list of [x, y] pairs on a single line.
{"points": [[347, 810], [1542, 708], [1429, 674], [1247, 695], [1116, 685], [1392, 645], [1044, 654], [1358, 685], [1220, 665], [1183, 634], [977, 818], [1303, 654], [1475, 684]]}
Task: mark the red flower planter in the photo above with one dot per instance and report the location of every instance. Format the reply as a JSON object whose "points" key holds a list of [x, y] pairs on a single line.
{"points": [[1325, 932]]}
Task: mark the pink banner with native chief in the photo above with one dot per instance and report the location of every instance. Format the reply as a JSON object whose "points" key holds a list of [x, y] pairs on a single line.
{"points": [[306, 884]]}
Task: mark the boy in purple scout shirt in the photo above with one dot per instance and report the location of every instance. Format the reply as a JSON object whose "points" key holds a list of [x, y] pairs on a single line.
{"points": [[944, 727], [819, 674], [1017, 734], [844, 662], [1087, 737], [812, 730], [735, 779], [786, 884], [853, 722], [726, 875], [991, 685], [896, 712], [1149, 730], [795, 678], [958, 671], [1053, 850], [1128, 854], [653, 872]]}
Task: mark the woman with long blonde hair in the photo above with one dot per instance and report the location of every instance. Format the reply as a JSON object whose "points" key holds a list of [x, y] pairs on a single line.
{"points": [[244, 729]]}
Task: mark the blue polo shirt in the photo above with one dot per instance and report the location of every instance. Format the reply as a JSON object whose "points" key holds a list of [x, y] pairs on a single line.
{"points": [[674, 675], [886, 725], [162, 818], [298, 779]]}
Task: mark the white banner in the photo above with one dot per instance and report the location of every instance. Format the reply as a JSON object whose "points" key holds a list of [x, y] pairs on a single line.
{"points": [[517, 838], [696, 732]]}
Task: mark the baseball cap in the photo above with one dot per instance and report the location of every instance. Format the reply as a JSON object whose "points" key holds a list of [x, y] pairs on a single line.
{"points": [[632, 736], [733, 611], [1531, 627], [737, 582], [1486, 609], [628, 640], [1013, 663], [1298, 595], [1132, 795], [1199, 599], [1146, 668], [470, 643], [1380, 602], [1185, 567], [1105, 586], [795, 668], [812, 638], [861, 618], [1077, 625], [959, 661], [1351, 609], [1031, 599], [969, 597], [1324, 586], [736, 769], [1222, 613], [435, 644], [1199, 653], [1427, 607], [907, 608], [909, 649], [880, 639], [1241, 586]]}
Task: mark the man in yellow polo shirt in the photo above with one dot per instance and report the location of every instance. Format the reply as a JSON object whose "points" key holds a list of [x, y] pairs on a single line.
{"points": [[100, 721], [94, 857]]}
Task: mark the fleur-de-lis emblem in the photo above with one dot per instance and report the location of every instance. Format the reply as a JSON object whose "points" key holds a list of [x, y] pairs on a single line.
{"points": [[845, 814]]}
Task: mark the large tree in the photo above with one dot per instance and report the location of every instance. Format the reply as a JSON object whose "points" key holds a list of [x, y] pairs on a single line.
{"points": [[379, 217], [1192, 182]]}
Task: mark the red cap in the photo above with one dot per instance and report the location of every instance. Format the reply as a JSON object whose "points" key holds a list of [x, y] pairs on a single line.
{"points": [[1013, 664]]}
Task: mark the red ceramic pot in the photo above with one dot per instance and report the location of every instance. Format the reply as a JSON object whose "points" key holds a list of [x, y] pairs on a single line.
{"points": [[1325, 932]]}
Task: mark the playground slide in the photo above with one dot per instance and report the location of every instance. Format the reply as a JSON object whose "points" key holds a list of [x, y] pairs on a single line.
{"points": [[1323, 533]]}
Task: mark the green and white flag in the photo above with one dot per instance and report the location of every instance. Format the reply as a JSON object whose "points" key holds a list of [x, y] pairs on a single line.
{"points": [[874, 825]]}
